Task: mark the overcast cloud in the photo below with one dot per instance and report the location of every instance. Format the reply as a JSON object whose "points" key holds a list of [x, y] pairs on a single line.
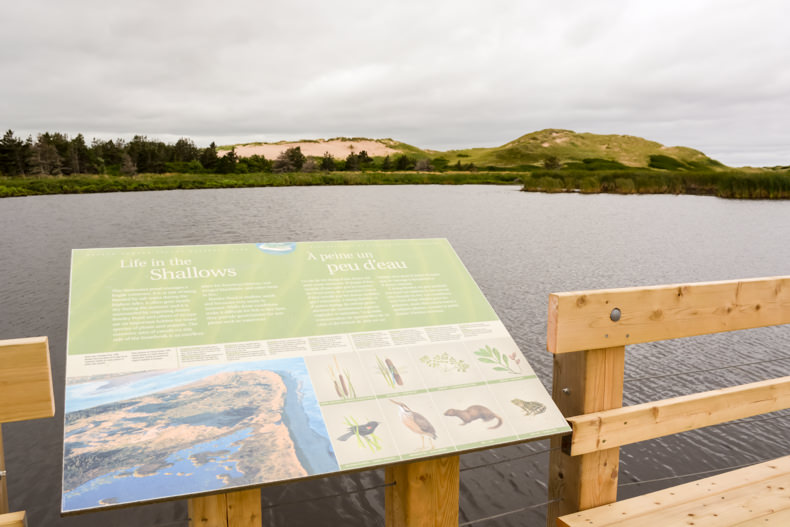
{"points": [[712, 75]]}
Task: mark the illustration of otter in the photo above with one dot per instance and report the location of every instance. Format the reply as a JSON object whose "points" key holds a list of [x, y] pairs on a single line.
{"points": [[476, 411]]}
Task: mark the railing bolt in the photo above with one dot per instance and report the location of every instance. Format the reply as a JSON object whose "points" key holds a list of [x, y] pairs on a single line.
{"points": [[566, 391], [2, 474], [615, 314]]}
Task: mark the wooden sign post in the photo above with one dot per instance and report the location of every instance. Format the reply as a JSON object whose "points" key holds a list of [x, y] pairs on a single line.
{"points": [[423, 493]]}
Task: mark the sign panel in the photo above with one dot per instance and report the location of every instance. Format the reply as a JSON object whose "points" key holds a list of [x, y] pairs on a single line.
{"points": [[209, 368]]}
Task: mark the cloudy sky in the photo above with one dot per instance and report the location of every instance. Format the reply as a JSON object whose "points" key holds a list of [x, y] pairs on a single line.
{"points": [[713, 75]]}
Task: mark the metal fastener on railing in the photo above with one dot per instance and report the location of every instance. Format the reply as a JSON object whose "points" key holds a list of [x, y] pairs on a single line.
{"points": [[2, 474]]}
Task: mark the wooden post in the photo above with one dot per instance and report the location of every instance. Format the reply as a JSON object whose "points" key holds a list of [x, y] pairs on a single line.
{"points": [[3, 485], [232, 509], [424, 493], [584, 382]]}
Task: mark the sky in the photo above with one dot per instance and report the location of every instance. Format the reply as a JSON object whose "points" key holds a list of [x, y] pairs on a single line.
{"points": [[712, 75]]}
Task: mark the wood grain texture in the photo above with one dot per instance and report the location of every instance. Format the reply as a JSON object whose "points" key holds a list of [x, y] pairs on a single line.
{"points": [[581, 320], [25, 380], [208, 511], [584, 382], [244, 508], [748, 496], [779, 518], [3, 481], [13, 519], [623, 426], [423, 493]]}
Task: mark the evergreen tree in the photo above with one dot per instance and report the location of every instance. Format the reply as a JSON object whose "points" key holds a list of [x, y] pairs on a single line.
{"points": [[352, 161], [403, 163], [227, 163], [386, 164], [364, 159], [327, 162], [185, 151], [14, 155], [208, 158]]}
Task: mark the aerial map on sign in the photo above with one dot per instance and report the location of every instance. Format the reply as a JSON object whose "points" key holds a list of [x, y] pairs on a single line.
{"points": [[207, 368]]}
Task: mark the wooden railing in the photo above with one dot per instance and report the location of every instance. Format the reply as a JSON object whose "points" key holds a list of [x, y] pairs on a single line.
{"points": [[588, 332], [25, 393]]}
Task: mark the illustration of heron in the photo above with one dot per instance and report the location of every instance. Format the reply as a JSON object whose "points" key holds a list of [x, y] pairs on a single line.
{"points": [[417, 423]]}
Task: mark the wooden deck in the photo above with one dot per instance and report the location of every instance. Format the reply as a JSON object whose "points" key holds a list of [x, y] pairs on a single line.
{"points": [[750, 496]]}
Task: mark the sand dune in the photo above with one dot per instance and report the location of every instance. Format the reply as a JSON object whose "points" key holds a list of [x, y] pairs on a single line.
{"points": [[337, 148]]}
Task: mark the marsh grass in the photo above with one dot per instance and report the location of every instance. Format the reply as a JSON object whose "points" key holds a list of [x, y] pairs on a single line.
{"points": [[743, 184]]}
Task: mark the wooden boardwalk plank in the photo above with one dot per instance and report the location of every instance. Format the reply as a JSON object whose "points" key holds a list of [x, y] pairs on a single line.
{"points": [[779, 518], [725, 500]]}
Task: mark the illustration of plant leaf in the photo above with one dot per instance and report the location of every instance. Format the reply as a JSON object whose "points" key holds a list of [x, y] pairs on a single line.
{"points": [[500, 368], [487, 361], [482, 353], [505, 361], [497, 354]]}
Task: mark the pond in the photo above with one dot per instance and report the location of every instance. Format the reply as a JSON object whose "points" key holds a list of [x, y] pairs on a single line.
{"points": [[518, 246]]}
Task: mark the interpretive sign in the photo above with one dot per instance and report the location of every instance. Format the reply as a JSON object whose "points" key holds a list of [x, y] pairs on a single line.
{"points": [[208, 368]]}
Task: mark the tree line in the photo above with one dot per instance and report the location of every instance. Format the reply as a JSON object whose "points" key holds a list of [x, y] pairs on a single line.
{"points": [[57, 154]]}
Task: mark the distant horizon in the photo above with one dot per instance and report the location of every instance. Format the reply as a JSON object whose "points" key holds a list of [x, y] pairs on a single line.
{"points": [[229, 140]]}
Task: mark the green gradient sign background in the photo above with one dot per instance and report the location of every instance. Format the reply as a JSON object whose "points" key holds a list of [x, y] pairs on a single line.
{"points": [[96, 273]]}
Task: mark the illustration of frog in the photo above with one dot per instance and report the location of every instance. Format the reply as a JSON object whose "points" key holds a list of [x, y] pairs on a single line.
{"points": [[529, 407]]}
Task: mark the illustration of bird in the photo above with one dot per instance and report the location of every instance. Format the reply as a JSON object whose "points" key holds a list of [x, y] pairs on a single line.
{"points": [[363, 430], [417, 423]]}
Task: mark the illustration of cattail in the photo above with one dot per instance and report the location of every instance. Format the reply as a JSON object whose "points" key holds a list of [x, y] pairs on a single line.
{"points": [[350, 384], [337, 389], [394, 372], [343, 384]]}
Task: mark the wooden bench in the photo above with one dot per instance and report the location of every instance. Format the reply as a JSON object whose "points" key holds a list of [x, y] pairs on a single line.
{"points": [[25, 393], [588, 332]]}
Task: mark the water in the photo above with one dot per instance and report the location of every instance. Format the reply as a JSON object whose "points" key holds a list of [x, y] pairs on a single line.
{"points": [[519, 247]]}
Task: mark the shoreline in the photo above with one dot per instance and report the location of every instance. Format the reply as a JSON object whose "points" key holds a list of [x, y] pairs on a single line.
{"points": [[303, 436], [766, 184]]}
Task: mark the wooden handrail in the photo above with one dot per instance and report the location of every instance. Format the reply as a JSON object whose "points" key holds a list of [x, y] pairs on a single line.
{"points": [[623, 426], [585, 326], [585, 320]]}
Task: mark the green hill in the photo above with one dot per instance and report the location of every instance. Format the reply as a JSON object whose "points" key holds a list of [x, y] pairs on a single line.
{"points": [[571, 148]]}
